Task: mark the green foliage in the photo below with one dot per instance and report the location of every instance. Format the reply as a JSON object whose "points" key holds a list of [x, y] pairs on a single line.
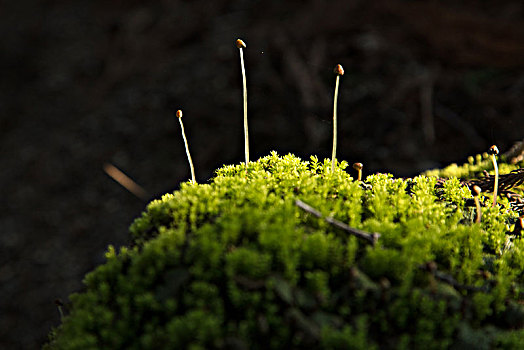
{"points": [[236, 264]]}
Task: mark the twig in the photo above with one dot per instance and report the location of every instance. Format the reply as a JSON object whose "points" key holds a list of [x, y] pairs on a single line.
{"points": [[125, 181], [506, 182], [451, 281], [431, 267], [370, 237], [515, 153]]}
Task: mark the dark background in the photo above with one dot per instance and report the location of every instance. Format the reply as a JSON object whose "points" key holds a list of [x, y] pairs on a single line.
{"points": [[88, 82]]}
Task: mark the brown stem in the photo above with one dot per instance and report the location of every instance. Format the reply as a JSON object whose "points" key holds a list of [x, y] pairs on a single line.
{"points": [[476, 193]]}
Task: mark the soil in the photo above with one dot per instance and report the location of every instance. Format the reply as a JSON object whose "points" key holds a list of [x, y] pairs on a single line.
{"points": [[85, 83]]}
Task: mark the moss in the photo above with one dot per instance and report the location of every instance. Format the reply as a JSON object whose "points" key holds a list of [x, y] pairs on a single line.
{"points": [[236, 264]]}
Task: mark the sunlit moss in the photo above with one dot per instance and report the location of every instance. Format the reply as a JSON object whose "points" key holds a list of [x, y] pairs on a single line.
{"points": [[234, 263]]}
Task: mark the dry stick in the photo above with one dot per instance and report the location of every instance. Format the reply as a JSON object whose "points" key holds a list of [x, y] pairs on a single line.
{"points": [[506, 181], [339, 71], [431, 267], [179, 116], [242, 45], [125, 181], [493, 151], [515, 153], [358, 167], [370, 237], [513, 179], [476, 194]]}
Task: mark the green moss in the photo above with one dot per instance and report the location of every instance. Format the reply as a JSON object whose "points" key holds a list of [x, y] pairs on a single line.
{"points": [[235, 263]]}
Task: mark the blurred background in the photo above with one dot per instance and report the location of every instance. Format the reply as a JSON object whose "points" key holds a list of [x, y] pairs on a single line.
{"points": [[88, 82]]}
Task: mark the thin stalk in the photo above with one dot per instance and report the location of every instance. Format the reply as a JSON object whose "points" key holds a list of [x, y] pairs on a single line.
{"points": [[358, 167], [179, 115], [476, 194], [338, 71], [493, 151], [59, 304], [496, 186], [241, 45]]}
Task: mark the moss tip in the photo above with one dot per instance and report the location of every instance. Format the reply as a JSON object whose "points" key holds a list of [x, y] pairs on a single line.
{"points": [[241, 44], [358, 166], [179, 113], [493, 150], [476, 191], [339, 70]]}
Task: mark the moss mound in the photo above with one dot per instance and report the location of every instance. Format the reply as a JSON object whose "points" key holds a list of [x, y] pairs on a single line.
{"points": [[236, 263]]}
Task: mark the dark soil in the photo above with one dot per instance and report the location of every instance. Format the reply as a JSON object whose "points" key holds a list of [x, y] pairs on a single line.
{"points": [[89, 82]]}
